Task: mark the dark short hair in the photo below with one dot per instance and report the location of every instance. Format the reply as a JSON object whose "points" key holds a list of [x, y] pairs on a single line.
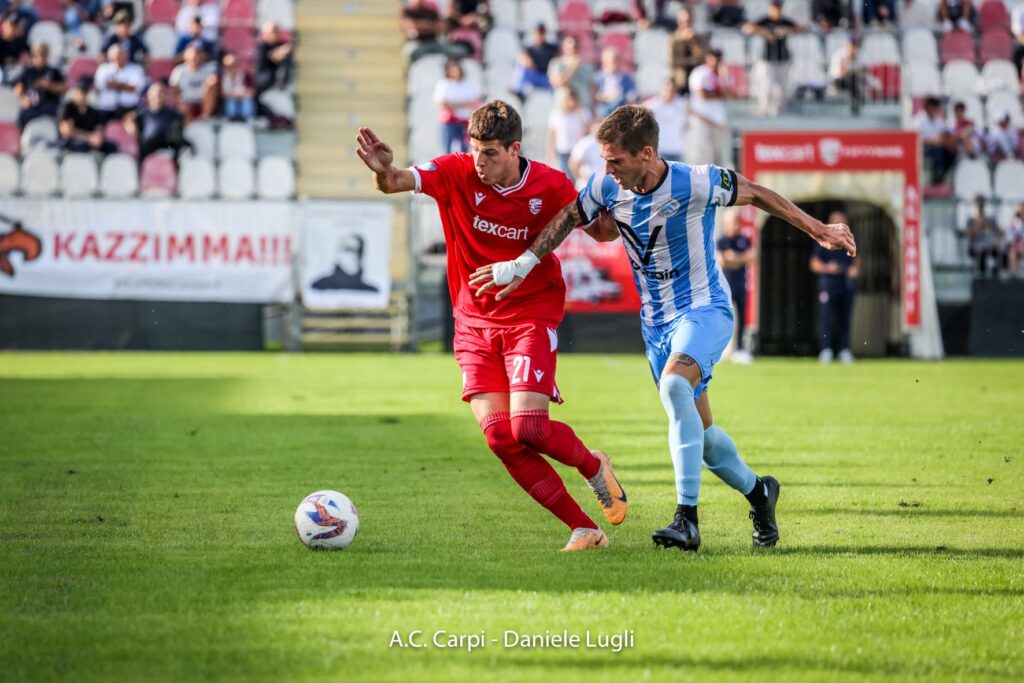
{"points": [[932, 101], [496, 120], [630, 126]]}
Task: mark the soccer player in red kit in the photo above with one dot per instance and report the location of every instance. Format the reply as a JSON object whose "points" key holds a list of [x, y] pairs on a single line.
{"points": [[493, 203]]}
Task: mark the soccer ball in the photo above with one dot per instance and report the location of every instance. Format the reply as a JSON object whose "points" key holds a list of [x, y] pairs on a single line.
{"points": [[326, 520]]}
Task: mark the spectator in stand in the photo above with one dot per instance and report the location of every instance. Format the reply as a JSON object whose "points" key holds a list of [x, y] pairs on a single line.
{"points": [[570, 71], [735, 252], [847, 71], [13, 50], [708, 140], [131, 43], [956, 14], [195, 36], [687, 50], [773, 69], [830, 14], [421, 23], [1002, 141], [39, 88], [208, 12], [111, 8], [119, 84], [197, 85], [670, 111], [984, 239], [937, 139], [274, 58], [652, 13], [237, 90], [729, 14], [837, 285], [585, 158], [80, 126], [77, 12], [567, 125], [26, 16], [471, 14], [879, 12], [917, 14], [965, 132], [1015, 248], [615, 87], [456, 97], [1017, 26], [533, 63], [157, 125]]}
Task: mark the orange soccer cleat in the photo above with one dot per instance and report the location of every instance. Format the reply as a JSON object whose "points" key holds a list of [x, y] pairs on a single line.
{"points": [[608, 490], [585, 539]]}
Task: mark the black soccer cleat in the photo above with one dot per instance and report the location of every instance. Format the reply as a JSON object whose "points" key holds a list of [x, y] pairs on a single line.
{"points": [[681, 533], [766, 531]]}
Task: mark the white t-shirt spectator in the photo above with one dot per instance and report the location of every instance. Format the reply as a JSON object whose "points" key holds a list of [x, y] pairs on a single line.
{"points": [[210, 14], [671, 118], [465, 90], [587, 153], [928, 127], [1002, 142], [839, 58], [703, 79], [569, 128], [190, 83], [130, 74]]}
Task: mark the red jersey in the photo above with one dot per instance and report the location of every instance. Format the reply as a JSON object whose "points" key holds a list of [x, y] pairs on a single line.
{"points": [[485, 224]]}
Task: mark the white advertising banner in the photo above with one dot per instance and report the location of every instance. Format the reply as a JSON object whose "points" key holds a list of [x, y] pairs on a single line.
{"points": [[159, 251], [346, 255]]}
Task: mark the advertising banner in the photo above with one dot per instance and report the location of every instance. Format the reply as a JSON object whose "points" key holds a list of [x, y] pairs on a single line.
{"points": [[598, 276]]}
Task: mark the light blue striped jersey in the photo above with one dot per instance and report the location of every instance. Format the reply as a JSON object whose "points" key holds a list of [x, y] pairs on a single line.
{"points": [[669, 236]]}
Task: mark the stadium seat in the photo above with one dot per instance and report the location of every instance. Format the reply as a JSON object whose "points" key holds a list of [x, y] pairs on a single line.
{"points": [[959, 78], [999, 74], [733, 45], [957, 45], [425, 143], [651, 46], [161, 40], [126, 143], [739, 81], [158, 177], [161, 11], [240, 40], [197, 178], [650, 77], [281, 12], [424, 74], [501, 46], [884, 82], [499, 80], [39, 173], [975, 110], [10, 175], [1008, 180], [996, 43], [10, 139], [8, 105], [944, 247], [470, 37], [160, 69], [275, 178], [880, 48], [797, 10], [972, 178], [203, 138], [806, 47], [79, 67], [996, 102], [78, 175], [236, 141], [39, 132], [119, 176], [587, 46], [834, 41], [92, 40], [574, 16], [533, 12], [993, 14], [49, 10], [919, 45], [537, 109], [50, 33], [505, 13], [280, 102], [807, 74], [236, 179], [474, 72], [1005, 215], [923, 79], [238, 14], [622, 42]]}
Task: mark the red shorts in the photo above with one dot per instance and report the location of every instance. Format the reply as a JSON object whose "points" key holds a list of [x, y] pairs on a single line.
{"points": [[507, 359]]}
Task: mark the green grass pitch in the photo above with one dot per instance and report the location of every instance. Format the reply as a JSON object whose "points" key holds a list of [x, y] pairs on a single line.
{"points": [[146, 507]]}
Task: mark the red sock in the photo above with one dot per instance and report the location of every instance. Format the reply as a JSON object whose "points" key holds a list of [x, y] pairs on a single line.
{"points": [[533, 473], [534, 429]]}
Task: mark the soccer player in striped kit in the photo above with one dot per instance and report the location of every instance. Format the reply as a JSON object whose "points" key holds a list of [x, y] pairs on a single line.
{"points": [[665, 214]]}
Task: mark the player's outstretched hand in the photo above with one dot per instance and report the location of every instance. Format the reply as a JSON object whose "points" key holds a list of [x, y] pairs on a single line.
{"points": [[837, 236], [375, 154], [483, 278]]}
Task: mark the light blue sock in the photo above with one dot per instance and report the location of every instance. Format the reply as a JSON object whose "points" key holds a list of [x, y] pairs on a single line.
{"points": [[685, 436], [722, 458]]}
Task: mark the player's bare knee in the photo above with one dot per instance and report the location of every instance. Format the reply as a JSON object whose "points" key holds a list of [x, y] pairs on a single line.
{"points": [[684, 366]]}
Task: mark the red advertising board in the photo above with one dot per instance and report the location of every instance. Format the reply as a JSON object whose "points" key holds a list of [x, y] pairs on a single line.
{"points": [[597, 275]]}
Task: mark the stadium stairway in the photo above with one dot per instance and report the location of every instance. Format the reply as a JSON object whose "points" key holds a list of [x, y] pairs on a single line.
{"points": [[350, 74]]}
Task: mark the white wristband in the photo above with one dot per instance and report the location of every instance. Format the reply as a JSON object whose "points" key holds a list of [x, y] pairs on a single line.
{"points": [[506, 271]]}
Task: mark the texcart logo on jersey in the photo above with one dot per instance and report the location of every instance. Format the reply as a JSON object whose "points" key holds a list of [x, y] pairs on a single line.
{"points": [[535, 205]]}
